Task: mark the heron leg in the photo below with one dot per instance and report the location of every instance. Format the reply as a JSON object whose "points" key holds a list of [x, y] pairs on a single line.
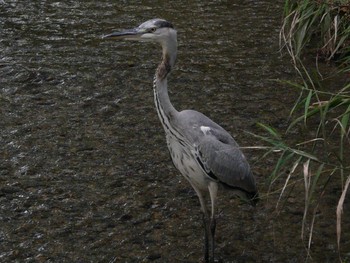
{"points": [[205, 224], [213, 190], [206, 238], [212, 240]]}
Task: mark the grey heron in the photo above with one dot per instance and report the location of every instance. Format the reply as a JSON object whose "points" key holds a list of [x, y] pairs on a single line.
{"points": [[204, 153]]}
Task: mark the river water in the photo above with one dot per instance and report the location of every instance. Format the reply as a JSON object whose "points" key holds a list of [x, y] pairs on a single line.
{"points": [[85, 175]]}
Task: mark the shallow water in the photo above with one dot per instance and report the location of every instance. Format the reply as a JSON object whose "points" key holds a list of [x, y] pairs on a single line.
{"points": [[85, 175]]}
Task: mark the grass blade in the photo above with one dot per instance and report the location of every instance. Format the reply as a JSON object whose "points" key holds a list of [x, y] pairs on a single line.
{"points": [[340, 210]]}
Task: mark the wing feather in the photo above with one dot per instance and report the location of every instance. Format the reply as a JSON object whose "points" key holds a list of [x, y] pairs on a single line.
{"points": [[226, 162], [217, 152]]}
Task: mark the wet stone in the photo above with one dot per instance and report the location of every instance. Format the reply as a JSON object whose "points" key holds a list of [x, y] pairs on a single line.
{"points": [[9, 190], [153, 257], [125, 217]]}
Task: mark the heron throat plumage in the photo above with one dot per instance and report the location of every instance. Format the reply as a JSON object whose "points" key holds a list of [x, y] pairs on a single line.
{"points": [[164, 67], [169, 53], [165, 109]]}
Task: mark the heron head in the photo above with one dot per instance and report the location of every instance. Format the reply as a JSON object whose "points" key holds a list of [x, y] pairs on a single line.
{"points": [[154, 30]]}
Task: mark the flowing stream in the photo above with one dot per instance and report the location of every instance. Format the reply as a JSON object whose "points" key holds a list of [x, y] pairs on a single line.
{"points": [[85, 175]]}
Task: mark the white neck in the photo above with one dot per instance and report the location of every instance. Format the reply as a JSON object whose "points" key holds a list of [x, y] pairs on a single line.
{"points": [[169, 53], [165, 109]]}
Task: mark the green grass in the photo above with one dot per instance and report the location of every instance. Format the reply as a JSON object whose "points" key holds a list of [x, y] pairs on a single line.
{"points": [[320, 29], [327, 20]]}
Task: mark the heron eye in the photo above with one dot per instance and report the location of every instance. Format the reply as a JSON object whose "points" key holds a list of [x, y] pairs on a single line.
{"points": [[153, 29]]}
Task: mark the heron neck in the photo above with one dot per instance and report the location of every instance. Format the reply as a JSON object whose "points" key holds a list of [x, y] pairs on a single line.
{"points": [[165, 109], [169, 53]]}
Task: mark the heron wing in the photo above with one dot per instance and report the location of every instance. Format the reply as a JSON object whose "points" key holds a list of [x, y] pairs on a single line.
{"points": [[219, 154], [225, 161]]}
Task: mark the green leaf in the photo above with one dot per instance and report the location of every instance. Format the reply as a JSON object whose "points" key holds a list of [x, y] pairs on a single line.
{"points": [[305, 154], [345, 121], [315, 180], [270, 130], [307, 105]]}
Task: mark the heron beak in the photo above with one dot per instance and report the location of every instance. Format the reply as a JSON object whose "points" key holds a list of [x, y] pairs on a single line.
{"points": [[131, 34]]}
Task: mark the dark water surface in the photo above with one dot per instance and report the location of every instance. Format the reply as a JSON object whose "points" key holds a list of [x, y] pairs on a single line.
{"points": [[85, 175]]}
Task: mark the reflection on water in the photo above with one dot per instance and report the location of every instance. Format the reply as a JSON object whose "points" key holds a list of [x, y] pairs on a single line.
{"points": [[85, 175]]}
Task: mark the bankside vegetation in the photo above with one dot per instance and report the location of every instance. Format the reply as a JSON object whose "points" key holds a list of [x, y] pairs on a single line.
{"points": [[316, 31]]}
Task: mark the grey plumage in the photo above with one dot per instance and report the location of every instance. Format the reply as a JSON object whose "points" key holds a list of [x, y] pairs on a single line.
{"points": [[205, 153]]}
